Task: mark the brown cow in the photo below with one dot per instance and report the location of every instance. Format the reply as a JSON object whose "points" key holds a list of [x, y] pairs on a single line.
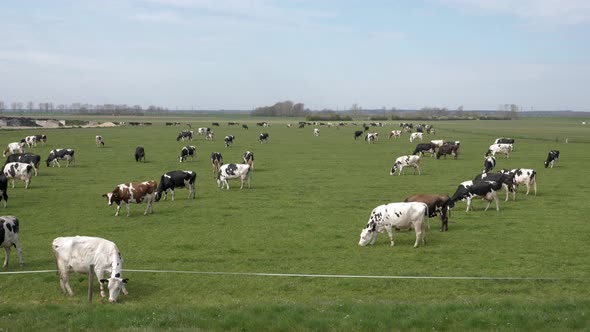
{"points": [[437, 204], [135, 192], [448, 149]]}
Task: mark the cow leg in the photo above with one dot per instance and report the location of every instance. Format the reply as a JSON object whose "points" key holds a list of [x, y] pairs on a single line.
{"points": [[172, 192], [418, 167], [497, 204], [468, 204], [191, 191], [534, 187], [507, 192], [19, 251], [225, 183], [5, 197], [118, 208], [7, 257], [99, 274], [390, 233], [12, 183], [129, 209], [419, 228], [27, 181], [57, 162]]}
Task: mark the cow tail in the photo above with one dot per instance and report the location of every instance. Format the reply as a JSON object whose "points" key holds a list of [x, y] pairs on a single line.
{"points": [[534, 176], [427, 218]]}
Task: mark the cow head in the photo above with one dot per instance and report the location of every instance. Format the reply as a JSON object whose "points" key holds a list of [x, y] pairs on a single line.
{"points": [[113, 197], [367, 234], [489, 152], [115, 285], [394, 168]]}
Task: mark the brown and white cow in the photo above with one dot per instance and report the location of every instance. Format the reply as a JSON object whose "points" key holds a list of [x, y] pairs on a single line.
{"points": [[437, 204], [14, 147], [135, 192]]}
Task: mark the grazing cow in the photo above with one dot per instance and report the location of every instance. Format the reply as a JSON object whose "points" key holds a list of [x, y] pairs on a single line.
{"points": [[301, 125], [60, 154], [263, 137], [77, 253], [233, 171], [21, 171], [438, 142], [552, 158], [13, 148], [424, 147], [399, 215], [185, 135], [484, 189], [216, 161], [9, 237], [316, 131], [176, 179], [489, 163], [437, 204], [99, 141], [4, 189], [499, 148], [209, 136], [372, 137], [187, 151], [504, 140], [27, 158], [505, 180], [135, 192], [446, 149], [41, 138], [229, 139], [406, 161], [358, 134], [139, 154], [244, 126], [395, 133], [415, 136], [203, 131], [249, 159], [524, 176], [214, 124], [231, 123], [31, 141]]}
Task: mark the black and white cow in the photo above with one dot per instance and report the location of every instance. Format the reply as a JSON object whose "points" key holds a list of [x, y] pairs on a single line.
{"points": [[415, 136], [372, 137], [398, 215], [233, 171], [421, 148], [41, 138], [263, 137], [31, 141], [525, 176], [9, 238], [488, 164], [19, 171], [176, 179], [506, 181], [499, 148], [249, 159], [504, 140], [486, 190], [552, 158], [99, 141], [203, 131], [405, 161], [185, 135], [27, 158], [60, 154], [4, 189], [216, 161], [188, 151], [139, 154], [229, 139], [358, 134]]}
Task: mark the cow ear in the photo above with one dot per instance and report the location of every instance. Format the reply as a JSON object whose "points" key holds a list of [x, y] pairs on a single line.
{"points": [[104, 281]]}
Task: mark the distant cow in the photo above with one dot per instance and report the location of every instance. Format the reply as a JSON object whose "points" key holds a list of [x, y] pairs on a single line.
{"points": [[176, 179], [406, 161], [229, 139], [4, 189], [438, 142], [13, 148], [446, 149], [395, 133], [358, 134], [31, 141], [19, 171], [9, 238], [437, 204], [135, 192], [185, 135], [372, 137], [484, 189], [504, 140], [552, 158], [421, 148], [216, 161], [399, 215], [216, 124], [489, 163], [99, 141], [415, 136], [203, 131], [60, 154], [245, 126], [139, 154], [505, 180], [499, 148], [187, 151], [249, 159], [525, 176], [41, 138], [316, 131], [263, 137], [233, 171], [209, 136], [77, 253], [27, 158]]}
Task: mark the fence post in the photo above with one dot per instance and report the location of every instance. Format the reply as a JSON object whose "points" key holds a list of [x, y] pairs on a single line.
{"points": [[90, 281]]}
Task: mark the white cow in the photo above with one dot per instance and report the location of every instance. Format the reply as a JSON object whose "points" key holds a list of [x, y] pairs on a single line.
{"points": [[499, 148], [9, 237], [372, 137], [406, 161], [203, 131], [77, 253], [525, 176], [395, 133], [13, 148], [416, 136], [399, 215], [31, 141], [18, 170], [316, 131], [233, 171]]}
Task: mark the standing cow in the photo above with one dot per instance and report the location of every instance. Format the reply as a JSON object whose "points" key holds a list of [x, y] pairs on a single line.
{"points": [[233, 171], [19, 171], [229, 139], [499, 148], [27, 158], [99, 141], [263, 137], [437, 204], [60, 154], [399, 215], [415, 136], [77, 253], [552, 158], [135, 192], [4, 189], [13, 148], [176, 179], [249, 159], [187, 151], [9, 229], [41, 138], [139, 154], [406, 161], [488, 164], [216, 161], [525, 176], [31, 141]]}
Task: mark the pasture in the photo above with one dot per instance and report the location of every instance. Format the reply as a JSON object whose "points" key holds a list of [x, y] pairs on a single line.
{"points": [[309, 200]]}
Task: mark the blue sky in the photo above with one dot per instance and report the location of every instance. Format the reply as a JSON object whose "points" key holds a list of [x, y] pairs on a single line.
{"points": [[241, 54]]}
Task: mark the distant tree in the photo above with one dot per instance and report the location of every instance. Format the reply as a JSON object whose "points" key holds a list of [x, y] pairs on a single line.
{"points": [[2, 106], [284, 108], [356, 110], [30, 106]]}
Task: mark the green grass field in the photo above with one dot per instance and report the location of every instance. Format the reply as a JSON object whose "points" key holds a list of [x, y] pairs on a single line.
{"points": [[309, 200]]}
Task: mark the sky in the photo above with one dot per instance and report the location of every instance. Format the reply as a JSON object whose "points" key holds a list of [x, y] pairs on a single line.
{"points": [[327, 54]]}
